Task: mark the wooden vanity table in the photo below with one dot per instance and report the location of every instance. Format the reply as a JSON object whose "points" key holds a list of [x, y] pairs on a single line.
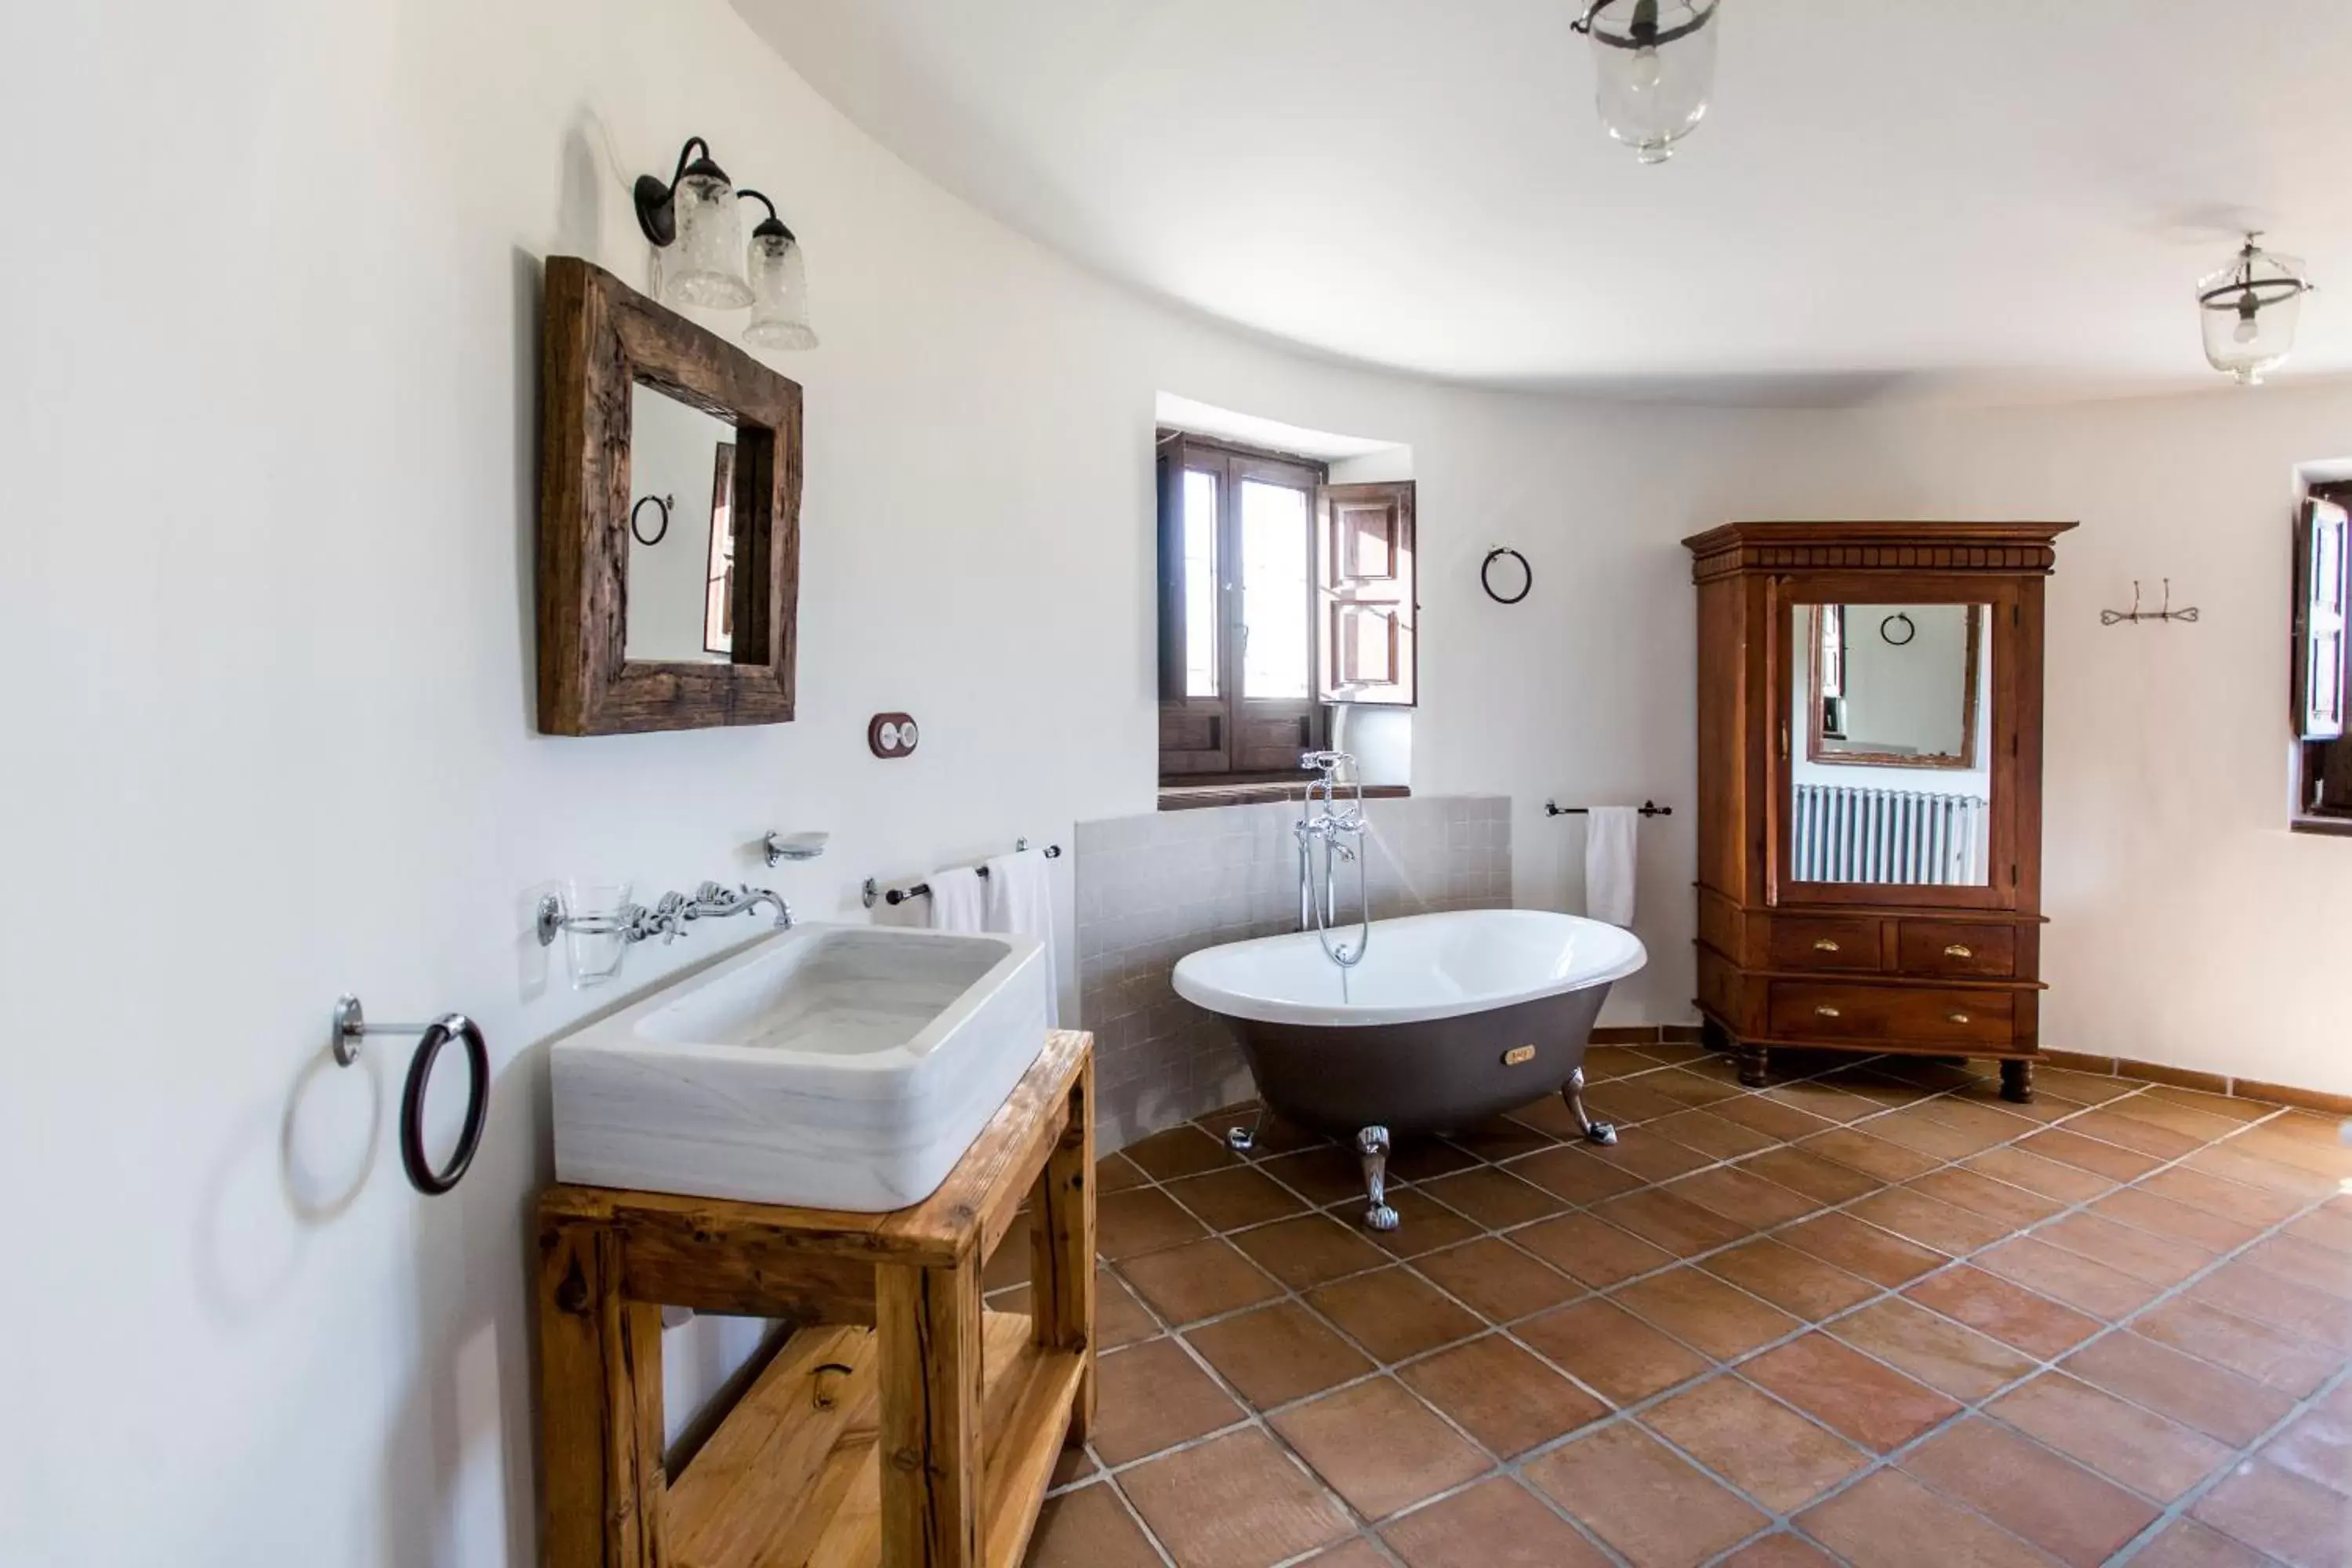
{"points": [[900, 1424]]}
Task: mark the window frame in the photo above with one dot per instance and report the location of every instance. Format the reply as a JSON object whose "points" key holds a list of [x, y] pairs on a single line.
{"points": [[2322, 768], [1237, 720]]}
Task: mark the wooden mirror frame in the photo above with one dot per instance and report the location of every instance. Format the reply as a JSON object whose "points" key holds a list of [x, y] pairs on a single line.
{"points": [[601, 338], [1971, 699]]}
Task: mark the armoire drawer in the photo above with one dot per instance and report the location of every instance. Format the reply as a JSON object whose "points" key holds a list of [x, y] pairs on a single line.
{"points": [[1935, 947], [1849, 1013], [1819, 942]]}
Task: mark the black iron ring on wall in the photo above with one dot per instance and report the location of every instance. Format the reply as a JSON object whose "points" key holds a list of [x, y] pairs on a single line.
{"points": [[351, 1027], [1486, 577], [661, 504], [420, 1174]]}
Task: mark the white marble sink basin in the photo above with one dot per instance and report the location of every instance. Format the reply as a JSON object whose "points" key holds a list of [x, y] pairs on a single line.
{"points": [[842, 1066]]}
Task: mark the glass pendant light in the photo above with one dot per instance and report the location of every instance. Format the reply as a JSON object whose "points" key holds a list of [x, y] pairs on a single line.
{"points": [[2248, 310], [778, 285], [694, 218], [1654, 62]]}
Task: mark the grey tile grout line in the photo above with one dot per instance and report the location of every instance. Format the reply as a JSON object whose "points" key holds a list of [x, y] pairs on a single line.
{"points": [[1639, 1407], [2183, 1506], [1716, 1364], [1254, 1418]]}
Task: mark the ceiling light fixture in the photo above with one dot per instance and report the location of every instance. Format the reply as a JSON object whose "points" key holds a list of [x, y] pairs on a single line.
{"points": [[696, 214], [2249, 310], [1653, 63]]}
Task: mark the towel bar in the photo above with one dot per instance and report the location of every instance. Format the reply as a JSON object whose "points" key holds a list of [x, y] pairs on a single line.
{"points": [[897, 896], [1649, 808]]}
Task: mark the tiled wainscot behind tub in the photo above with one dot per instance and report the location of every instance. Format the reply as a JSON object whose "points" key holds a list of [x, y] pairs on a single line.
{"points": [[1153, 889]]}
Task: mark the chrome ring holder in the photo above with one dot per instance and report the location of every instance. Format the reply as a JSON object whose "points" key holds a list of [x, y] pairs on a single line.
{"points": [[351, 1029]]}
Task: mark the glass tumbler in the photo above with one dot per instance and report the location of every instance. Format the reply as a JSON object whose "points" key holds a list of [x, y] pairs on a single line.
{"points": [[595, 915]]}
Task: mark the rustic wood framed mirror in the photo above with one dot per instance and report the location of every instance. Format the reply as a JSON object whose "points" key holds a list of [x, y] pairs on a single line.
{"points": [[668, 518]]}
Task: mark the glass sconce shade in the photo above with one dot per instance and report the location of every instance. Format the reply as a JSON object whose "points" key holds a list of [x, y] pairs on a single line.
{"points": [[779, 317], [1653, 61], [705, 266], [2249, 310]]}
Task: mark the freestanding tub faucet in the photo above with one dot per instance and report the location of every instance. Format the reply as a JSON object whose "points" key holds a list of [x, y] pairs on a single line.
{"points": [[1329, 828]]}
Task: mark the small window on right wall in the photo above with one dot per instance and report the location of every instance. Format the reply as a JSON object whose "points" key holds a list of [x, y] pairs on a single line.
{"points": [[2323, 662]]}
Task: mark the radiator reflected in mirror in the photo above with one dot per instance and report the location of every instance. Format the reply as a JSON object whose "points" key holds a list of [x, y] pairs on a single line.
{"points": [[1888, 781]]}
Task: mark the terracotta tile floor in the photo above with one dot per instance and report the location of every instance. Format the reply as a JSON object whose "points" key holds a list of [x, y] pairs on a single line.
{"points": [[1871, 1315]]}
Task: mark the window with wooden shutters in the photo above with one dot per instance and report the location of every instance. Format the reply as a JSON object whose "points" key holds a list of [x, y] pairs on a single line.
{"points": [[1238, 681], [1365, 592], [2322, 664]]}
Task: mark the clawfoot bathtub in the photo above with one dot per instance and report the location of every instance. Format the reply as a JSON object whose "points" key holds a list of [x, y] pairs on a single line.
{"points": [[1448, 1019]]}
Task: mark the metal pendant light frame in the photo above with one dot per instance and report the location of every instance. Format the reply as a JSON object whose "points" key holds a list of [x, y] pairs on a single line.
{"points": [[1639, 34], [2230, 298]]}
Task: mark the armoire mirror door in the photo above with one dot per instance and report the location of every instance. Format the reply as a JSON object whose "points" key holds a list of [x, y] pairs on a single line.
{"points": [[1894, 782]]}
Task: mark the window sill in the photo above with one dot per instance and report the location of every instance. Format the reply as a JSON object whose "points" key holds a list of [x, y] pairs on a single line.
{"points": [[2338, 827], [1193, 797]]}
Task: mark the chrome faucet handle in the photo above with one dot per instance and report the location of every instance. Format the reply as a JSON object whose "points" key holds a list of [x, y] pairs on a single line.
{"points": [[751, 898]]}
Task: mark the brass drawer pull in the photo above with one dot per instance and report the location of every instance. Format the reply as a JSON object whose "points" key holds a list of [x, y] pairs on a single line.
{"points": [[1824, 944], [1827, 1013], [1958, 1017], [1960, 950]]}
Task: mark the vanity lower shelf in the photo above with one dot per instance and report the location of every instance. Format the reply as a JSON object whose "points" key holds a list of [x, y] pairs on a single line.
{"points": [[793, 1475]]}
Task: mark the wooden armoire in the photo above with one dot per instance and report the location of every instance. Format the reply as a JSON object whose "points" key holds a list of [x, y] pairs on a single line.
{"points": [[1870, 789]]}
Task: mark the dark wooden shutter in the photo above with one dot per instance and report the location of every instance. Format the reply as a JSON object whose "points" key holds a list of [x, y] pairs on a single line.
{"points": [[1368, 582], [1195, 733], [2323, 585]]}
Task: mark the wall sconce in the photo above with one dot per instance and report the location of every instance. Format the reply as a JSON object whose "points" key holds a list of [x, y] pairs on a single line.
{"points": [[2249, 310], [696, 214]]}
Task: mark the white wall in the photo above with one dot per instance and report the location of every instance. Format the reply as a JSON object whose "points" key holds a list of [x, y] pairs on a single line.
{"points": [[269, 407], [2188, 925]]}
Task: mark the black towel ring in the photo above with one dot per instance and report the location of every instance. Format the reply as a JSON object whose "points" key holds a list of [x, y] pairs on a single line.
{"points": [[664, 503], [1487, 581], [1910, 631], [439, 1033]]}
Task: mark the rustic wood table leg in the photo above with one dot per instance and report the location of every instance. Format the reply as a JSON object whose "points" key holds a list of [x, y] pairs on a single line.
{"points": [[1062, 1248], [926, 1327], [600, 1406]]}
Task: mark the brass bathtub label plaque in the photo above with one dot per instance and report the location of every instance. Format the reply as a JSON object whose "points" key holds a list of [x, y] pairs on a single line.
{"points": [[1518, 1055]]}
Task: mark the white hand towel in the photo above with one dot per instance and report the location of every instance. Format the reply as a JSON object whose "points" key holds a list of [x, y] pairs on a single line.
{"points": [[958, 900], [1021, 903], [1610, 832]]}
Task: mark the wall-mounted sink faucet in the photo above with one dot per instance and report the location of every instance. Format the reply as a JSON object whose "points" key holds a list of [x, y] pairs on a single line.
{"points": [[667, 920]]}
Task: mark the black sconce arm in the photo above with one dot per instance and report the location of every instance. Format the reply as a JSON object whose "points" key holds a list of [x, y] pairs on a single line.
{"points": [[657, 209]]}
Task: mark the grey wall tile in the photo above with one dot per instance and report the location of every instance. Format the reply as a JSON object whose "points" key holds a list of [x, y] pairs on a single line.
{"points": [[1149, 889]]}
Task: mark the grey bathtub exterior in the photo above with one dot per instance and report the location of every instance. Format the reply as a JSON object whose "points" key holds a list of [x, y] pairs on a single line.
{"points": [[1440, 1075]]}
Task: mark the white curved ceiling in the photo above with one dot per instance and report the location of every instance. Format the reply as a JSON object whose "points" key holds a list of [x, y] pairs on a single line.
{"points": [[1982, 198]]}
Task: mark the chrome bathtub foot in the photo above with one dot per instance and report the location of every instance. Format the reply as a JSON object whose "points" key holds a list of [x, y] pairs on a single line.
{"points": [[1572, 1091], [1242, 1139], [1372, 1146]]}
